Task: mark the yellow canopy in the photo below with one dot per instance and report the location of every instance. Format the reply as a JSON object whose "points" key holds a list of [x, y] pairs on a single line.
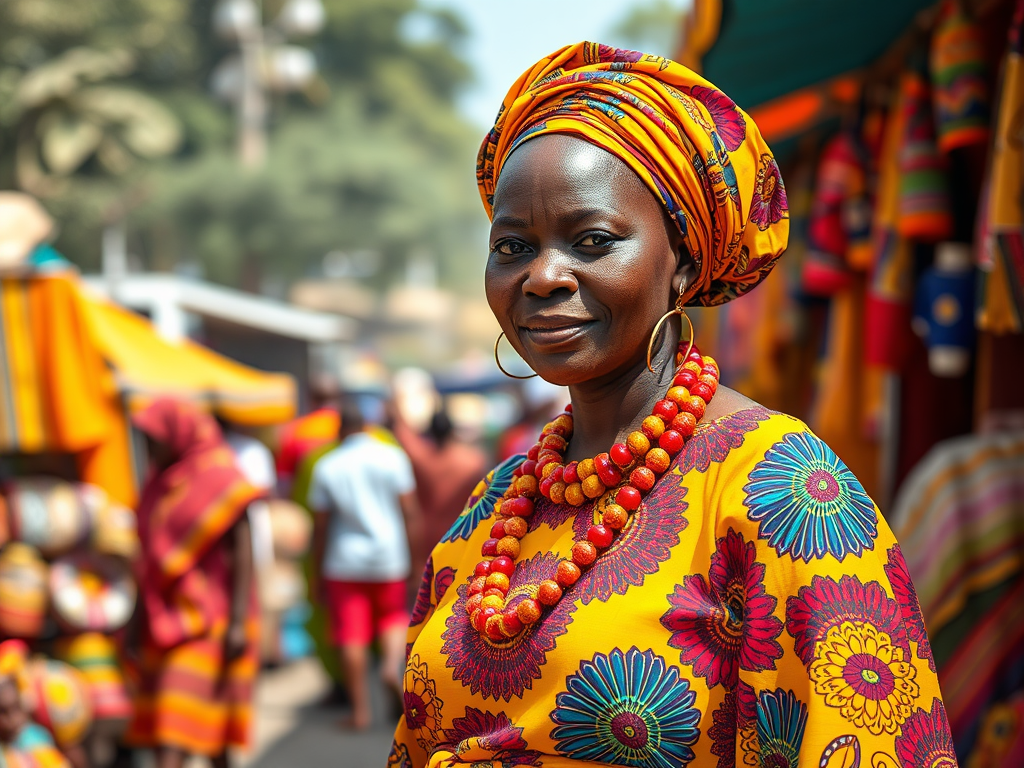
{"points": [[146, 366], [70, 363]]}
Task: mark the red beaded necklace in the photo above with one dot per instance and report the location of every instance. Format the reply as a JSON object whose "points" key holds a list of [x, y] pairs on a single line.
{"points": [[631, 468]]}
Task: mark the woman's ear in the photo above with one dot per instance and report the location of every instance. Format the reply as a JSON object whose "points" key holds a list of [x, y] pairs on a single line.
{"points": [[686, 270]]}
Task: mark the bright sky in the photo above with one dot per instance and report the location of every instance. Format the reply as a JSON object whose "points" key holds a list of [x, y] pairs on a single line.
{"points": [[507, 36]]}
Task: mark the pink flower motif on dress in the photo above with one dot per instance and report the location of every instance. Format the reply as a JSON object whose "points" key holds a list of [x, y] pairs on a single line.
{"points": [[827, 603], [493, 733], [725, 623], [501, 670], [906, 596], [723, 732], [712, 443], [728, 119], [925, 739], [768, 205]]}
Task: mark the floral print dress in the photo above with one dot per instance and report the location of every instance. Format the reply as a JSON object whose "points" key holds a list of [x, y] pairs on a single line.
{"points": [[757, 612]]}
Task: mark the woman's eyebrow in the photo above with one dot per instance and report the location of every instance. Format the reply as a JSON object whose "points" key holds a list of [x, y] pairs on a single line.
{"points": [[509, 221]]}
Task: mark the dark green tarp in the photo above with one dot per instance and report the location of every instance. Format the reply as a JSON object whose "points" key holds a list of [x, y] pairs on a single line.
{"points": [[768, 48]]}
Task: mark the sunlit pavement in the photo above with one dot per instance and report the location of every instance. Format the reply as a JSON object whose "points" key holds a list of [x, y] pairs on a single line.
{"points": [[293, 731]]}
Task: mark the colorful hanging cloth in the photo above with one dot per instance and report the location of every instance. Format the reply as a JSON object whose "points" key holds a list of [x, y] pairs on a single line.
{"points": [[960, 79], [1002, 219]]}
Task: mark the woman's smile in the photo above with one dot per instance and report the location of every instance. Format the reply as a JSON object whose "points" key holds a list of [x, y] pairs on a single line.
{"points": [[550, 333]]}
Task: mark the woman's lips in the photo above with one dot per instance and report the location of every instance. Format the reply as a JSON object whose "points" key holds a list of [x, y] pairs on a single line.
{"points": [[554, 330]]}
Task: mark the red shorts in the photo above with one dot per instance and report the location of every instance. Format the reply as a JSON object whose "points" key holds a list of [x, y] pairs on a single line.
{"points": [[361, 610]]}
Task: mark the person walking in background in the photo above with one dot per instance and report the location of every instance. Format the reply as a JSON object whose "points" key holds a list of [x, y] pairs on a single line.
{"points": [[196, 626], [363, 496], [446, 470]]}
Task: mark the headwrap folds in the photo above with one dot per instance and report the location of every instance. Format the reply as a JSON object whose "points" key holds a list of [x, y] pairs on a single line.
{"points": [[698, 152]]}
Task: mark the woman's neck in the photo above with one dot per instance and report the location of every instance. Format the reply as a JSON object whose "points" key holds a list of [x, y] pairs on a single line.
{"points": [[605, 411]]}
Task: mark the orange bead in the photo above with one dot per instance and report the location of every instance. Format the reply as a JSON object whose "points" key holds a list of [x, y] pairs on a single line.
{"points": [[495, 592], [527, 485], [584, 553], [548, 592], [684, 423], [563, 421], [593, 487], [652, 427], [585, 469], [568, 573], [498, 581], [657, 460], [614, 517], [554, 442], [557, 492], [709, 360], [492, 601], [638, 443], [474, 619], [549, 468], [697, 407], [709, 380], [692, 366], [574, 494], [515, 526], [477, 585], [677, 394], [473, 603], [509, 546], [529, 611], [493, 627]]}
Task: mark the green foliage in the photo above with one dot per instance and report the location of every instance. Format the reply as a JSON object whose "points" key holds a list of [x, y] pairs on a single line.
{"points": [[372, 158]]}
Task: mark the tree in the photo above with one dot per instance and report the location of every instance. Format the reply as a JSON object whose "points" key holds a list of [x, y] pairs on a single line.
{"points": [[372, 160], [75, 127]]}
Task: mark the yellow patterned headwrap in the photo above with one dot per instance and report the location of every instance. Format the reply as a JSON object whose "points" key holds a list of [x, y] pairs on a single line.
{"points": [[698, 152]]}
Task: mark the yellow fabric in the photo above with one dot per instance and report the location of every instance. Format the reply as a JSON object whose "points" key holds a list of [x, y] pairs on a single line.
{"points": [[147, 367], [757, 610], [697, 152]]}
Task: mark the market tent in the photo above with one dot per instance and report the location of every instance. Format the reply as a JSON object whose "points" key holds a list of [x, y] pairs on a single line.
{"points": [[146, 366], [788, 61], [72, 366]]}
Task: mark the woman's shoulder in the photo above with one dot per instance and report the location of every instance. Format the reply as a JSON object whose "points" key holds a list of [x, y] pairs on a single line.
{"points": [[481, 501]]}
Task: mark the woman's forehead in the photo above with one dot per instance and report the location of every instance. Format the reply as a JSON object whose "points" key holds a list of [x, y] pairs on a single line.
{"points": [[557, 165]]}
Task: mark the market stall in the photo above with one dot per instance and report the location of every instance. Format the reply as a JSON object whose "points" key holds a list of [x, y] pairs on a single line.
{"points": [[895, 323], [73, 369]]}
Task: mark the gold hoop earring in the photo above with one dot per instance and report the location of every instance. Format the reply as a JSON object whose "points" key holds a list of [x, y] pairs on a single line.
{"points": [[677, 310], [498, 362]]}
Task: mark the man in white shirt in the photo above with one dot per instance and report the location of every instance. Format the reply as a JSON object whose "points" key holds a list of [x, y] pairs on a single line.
{"points": [[364, 499]]}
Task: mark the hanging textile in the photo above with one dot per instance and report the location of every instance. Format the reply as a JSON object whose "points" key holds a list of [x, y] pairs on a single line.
{"points": [[1002, 213], [960, 79], [960, 520]]}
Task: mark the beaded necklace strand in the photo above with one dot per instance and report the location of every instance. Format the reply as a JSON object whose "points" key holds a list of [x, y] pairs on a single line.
{"points": [[630, 468]]}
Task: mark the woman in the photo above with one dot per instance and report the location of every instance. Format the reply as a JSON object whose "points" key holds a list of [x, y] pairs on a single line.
{"points": [[197, 604], [674, 575]]}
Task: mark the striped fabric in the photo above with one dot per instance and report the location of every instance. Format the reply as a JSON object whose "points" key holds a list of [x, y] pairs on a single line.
{"points": [[188, 699], [960, 519]]}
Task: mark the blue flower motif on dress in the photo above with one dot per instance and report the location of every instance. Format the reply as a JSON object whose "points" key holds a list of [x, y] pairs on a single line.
{"points": [[780, 724], [627, 709], [808, 503], [481, 503]]}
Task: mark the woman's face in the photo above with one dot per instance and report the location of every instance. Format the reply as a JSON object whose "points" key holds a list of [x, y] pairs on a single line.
{"points": [[583, 260]]}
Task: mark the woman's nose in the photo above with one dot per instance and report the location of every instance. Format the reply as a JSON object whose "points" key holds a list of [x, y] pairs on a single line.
{"points": [[550, 271]]}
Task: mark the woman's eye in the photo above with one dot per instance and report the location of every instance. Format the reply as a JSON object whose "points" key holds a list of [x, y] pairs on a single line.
{"points": [[510, 247], [594, 240]]}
